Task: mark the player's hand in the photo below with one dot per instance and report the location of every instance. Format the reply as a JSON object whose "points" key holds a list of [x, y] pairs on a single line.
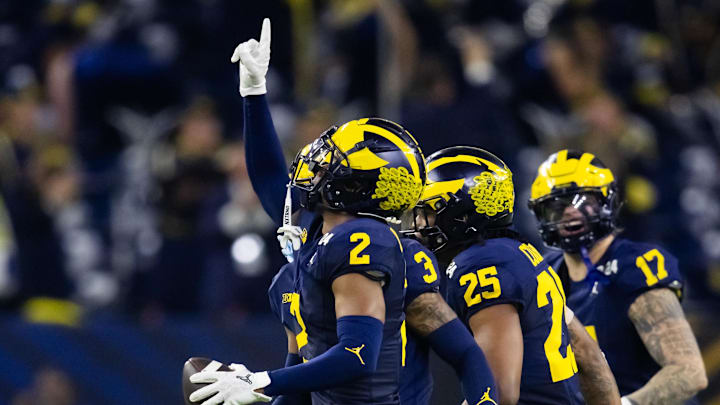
{"points": [[235, 387], [254, 58], [290, 238]]}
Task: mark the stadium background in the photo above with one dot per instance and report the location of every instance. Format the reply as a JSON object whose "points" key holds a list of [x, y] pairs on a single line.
{"points": [[130, 237]]}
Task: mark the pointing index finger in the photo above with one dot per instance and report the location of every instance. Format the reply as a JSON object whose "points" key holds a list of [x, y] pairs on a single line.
{"points": [[265, 33]]}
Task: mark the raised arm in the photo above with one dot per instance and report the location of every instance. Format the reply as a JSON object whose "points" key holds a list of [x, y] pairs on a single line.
{"points": [[264, 155], [661, 324], [265, 159], [597, 382]]}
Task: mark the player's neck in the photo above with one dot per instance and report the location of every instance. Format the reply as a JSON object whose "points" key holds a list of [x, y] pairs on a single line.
{"points": [[331, 219], [576, 268]]}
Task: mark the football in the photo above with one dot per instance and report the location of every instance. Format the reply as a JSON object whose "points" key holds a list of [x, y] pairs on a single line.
{"points": [[192, 366]]}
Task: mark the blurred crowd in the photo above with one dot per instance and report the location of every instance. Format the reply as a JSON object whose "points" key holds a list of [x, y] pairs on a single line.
{"points": [[121, 159]]}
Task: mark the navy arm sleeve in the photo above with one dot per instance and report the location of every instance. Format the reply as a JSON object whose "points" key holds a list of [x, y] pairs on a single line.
{"points": [[454, 344], [293, 359], [266, 164], [354, 356]]}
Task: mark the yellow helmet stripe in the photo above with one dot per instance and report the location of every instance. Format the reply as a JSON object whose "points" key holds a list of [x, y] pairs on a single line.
{"points": [[459, 158], [404, 147], [501, 171], [364, 159], [442, 188], [562, 156], [564, 171]]}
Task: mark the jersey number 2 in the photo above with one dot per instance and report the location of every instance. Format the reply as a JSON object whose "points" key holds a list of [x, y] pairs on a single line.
{"points": [[355, 256], [561, 367]]}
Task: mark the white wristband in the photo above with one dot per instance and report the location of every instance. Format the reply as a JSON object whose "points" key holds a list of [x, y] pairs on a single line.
{"points": [[626, 401]]}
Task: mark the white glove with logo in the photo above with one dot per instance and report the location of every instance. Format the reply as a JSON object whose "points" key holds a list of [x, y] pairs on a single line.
{"points": [[290, 238], [235, 387], [254, 60]]}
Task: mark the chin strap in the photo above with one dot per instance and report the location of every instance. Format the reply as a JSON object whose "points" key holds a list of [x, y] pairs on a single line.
{"points": [[389, 220]]}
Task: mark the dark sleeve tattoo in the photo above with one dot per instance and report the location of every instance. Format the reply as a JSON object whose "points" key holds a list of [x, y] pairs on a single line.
{"points": [[596, 379], [428, 312], [661, 324]]}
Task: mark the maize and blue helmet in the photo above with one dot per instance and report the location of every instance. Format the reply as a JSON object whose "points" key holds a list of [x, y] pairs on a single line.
{"points": [[367, 167], [575, 200]]}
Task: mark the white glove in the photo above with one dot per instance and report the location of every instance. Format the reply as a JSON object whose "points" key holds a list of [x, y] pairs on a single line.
{"points": [[254, 60], [235, 387], [626, 401], [290, 238]]}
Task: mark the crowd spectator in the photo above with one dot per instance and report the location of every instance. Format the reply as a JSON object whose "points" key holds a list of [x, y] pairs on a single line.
{"points": [[121, 170]]}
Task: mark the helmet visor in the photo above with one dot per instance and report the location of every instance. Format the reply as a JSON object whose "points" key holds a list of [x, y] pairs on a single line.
{"points": [[421, 223], [571, 214], [312, 161]]}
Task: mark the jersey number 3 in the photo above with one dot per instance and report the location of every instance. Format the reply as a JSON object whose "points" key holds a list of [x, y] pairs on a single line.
{"points": [[561, 367], [422, 257]]}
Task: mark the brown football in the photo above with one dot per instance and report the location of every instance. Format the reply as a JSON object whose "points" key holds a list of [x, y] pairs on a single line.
{"points": [[192, 366]]}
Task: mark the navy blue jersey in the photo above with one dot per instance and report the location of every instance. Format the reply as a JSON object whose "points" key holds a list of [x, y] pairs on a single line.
{"points": [[363, 246], [283, 297], [506, 271], [631, 268], [422, 276]]}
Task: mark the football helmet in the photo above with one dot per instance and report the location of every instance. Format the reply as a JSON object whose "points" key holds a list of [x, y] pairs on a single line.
{"points": [[469, 192], [575, 200], [367, 167]]}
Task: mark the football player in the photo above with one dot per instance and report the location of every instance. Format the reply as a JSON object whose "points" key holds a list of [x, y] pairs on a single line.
{"points": [[501, 287], [348, 288], [626, 293], [431, 321]]}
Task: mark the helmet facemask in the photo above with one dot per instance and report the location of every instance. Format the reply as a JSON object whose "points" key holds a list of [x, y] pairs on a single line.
{"points": [[310, 169], [440, 222], [575, 218]]}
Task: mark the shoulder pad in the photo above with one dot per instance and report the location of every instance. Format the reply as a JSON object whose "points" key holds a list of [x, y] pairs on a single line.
{"points": [[360, 246]]}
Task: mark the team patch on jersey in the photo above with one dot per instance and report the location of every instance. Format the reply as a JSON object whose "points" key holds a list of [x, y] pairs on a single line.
{"points": [[451, 269]]}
